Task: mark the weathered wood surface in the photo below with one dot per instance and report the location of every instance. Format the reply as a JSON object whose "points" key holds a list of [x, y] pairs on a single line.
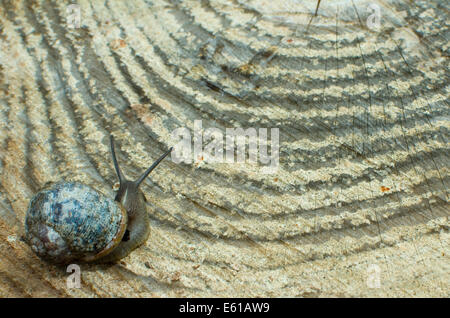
{"points": [[363, 118]]}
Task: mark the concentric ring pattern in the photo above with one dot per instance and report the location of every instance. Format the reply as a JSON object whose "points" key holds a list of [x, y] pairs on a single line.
{"points": [[363, 118]]}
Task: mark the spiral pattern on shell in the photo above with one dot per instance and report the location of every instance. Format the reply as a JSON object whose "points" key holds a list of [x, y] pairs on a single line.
{"points": [[71, 221]]}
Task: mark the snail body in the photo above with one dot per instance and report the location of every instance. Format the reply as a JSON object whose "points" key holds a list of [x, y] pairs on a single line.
{"points": [[70, 221]]}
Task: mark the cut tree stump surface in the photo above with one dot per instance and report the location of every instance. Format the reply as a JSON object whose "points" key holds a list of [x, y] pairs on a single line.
{"points": [[359, 203]]}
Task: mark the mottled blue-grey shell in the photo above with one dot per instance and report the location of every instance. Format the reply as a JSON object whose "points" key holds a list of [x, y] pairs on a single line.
{"points": [[71, 221]]}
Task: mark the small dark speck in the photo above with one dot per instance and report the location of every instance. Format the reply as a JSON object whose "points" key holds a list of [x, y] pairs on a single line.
{"points": [[147, 264], [212, 86], [126, 236]]}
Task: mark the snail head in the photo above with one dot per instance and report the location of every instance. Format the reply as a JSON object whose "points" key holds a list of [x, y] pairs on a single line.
{"points": [[129, 193]]}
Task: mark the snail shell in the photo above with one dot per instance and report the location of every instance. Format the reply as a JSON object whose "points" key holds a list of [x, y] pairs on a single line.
{"points": [[70, 220]]}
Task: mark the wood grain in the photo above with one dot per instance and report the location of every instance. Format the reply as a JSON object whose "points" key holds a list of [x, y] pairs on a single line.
{"points": [[363, 117]]}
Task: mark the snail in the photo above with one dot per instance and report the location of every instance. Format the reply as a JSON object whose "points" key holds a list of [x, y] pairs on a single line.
{"points": [[70, 221]]}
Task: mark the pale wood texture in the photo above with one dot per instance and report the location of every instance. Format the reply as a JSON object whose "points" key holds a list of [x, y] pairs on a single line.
{"points": [[363, 117]]}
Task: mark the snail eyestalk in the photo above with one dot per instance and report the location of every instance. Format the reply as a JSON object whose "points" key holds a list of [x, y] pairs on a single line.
{"points": [[116, 165], [153, 166], [317, 8]]}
